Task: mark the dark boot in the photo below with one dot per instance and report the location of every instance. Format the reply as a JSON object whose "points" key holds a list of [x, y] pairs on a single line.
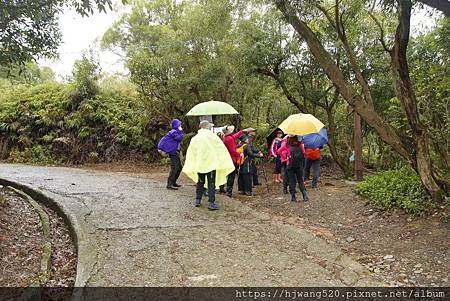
{"points": [[285, 191], [229, 192], [293, 198], [170, 185], [212, 206], [305, 195]]}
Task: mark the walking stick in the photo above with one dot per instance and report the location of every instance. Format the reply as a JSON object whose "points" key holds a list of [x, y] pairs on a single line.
{"points": [[237, 175], [265, 177]]}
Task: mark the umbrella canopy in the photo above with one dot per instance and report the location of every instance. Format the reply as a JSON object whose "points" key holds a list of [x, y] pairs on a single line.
{"points": [[316, 140], [212, 108], [301, 124], [272, 136]]}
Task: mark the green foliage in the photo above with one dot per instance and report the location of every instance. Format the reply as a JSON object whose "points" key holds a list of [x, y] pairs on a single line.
{"points": [[29, 73], [29, 28], [180, 53], [430, 72], [37, 154], [86, 73], [187, 54], [43, 126], [395, 188]]}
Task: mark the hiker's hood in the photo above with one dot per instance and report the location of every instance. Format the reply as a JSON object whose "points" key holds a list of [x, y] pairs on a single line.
{"points": [[176, 124]]}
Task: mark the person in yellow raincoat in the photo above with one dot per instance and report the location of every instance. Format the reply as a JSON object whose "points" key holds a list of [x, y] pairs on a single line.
{"points": [[207, 162]]}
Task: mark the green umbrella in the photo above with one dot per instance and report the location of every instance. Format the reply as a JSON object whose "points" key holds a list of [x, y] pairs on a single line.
{"points": [[212, 108]]}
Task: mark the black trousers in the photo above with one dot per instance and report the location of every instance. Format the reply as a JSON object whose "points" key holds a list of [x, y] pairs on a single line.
{"points": [[278, 165], [315, 164], [295, 175], [230, 179], [245, 182], [175, 169], [211, 176], [285, 176]]}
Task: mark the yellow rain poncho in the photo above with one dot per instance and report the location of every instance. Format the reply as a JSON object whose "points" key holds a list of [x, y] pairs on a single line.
{"points": [[206, 153]]}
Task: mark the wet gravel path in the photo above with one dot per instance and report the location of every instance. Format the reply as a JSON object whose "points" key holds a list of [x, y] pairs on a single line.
{"points": [[133, 232]]}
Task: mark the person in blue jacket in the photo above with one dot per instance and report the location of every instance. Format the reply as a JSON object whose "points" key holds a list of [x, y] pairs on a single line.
{"points": [[171, 144]]}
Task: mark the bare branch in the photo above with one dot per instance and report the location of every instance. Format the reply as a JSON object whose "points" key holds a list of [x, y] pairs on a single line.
{"points": [[377, 22], [327, 15], [351, 55]]}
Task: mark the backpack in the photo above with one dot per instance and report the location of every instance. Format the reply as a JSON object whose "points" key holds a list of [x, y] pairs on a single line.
{"points": [[312, 153], [241, 159], [297, 156], [163, 153]]}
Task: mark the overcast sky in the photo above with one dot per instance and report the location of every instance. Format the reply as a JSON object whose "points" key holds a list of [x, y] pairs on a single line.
{"points": [[80, 33]]}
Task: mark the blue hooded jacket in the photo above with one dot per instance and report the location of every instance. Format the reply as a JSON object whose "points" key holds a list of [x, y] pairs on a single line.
{"points": [[170, 143]]}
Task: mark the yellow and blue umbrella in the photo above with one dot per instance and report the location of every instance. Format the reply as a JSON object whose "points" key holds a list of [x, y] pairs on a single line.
{"points": [[315, 140]]}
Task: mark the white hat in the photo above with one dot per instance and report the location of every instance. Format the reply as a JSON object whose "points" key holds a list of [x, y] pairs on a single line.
{"points": [[229, 129], [205, 124]]}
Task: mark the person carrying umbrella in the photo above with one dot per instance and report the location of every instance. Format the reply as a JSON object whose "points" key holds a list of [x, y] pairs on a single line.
{"points": [[170, 144], [303, 125], [313, 144], [207, 163], [313, 158], [293, 153]]}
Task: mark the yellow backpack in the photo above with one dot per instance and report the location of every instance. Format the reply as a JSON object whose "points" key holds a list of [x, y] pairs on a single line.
{"points": [[240, 150]]}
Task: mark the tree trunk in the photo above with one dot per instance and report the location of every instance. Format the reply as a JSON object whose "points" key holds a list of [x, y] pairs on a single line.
{"points": [[443, 152], [334, 73], [405, 92], [420, 161], [4, 146], [342, 162], [424, 167], [268, 115], [380, 159], [258, 110], [357, 138]]}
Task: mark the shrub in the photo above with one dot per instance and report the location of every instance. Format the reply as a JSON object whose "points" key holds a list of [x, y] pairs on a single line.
{"points": [[35, 154], [85, 76], [36, 118], [395, 188]]}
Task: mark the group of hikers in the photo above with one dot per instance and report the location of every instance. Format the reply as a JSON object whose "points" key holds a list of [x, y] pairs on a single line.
{"points": [[214, 160]]}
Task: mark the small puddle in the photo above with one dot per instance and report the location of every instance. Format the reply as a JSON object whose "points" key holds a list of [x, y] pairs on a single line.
{"points": [[202, 277]]}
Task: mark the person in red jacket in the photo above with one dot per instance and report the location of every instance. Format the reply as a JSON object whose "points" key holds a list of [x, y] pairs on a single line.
{"points": [[230, 143]]}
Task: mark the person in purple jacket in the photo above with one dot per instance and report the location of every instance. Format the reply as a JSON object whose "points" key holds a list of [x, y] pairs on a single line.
{"points": [[170, 144]]}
